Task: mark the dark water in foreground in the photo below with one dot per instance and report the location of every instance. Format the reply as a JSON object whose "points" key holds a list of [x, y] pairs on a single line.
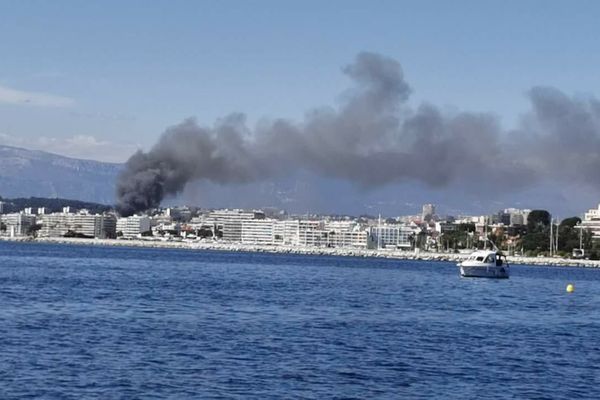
{"points": [[83, 322]]}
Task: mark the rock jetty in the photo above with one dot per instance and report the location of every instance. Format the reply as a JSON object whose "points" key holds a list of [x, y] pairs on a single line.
{"points": [[345, 252]]}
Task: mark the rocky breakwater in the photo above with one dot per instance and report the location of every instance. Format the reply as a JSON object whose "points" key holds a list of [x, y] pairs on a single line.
{"points": [[305, 250]]}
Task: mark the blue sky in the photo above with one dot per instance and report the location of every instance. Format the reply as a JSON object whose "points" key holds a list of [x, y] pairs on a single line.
{"points": [[100, 79]]}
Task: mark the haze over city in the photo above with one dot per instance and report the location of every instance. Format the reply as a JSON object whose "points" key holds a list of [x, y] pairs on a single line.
{"points": [[510, 92]]}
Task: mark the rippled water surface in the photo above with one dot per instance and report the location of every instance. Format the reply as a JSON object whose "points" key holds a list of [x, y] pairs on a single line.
{"points": [[91, 322]]}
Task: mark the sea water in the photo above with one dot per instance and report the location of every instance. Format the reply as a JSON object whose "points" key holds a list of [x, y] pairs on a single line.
{"points": [[99, 322]]}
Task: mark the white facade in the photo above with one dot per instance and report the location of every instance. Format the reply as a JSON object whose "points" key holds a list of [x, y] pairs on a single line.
{"points": [[340, 226], [287, 232], [17, 224], [311, 233], [89, 225], [397, 236], [591, 221], [230, 221], [258, 231], [274, 232], [134, 226], [357, 239]]}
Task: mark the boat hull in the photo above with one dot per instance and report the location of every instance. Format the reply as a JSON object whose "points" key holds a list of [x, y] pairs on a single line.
{"points": [[497, 272]]}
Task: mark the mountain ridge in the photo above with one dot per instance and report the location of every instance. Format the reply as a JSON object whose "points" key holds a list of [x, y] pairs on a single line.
{"points": [[37, 173]]}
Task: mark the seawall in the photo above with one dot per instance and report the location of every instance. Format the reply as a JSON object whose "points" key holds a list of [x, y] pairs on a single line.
{"points": [[383, 253]]}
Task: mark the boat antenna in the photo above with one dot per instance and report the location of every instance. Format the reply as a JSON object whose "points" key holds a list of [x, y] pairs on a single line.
{"points": [[494, 247]]}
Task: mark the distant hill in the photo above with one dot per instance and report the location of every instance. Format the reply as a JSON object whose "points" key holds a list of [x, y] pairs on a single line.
{"points": [[52, 205], [27, 173]]}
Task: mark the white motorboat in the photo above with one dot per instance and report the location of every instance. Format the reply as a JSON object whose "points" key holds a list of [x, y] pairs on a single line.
{"points": [[485, 264]]}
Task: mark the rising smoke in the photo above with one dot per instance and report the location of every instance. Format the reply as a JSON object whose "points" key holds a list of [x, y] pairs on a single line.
{"points": [[374, 138]]}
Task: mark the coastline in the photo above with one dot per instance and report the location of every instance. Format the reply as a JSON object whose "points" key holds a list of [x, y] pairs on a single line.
{"points": [[342, 252]]}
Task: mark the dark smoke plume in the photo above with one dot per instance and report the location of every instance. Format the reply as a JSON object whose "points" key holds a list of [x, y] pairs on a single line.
{"points": [[374, 138]]}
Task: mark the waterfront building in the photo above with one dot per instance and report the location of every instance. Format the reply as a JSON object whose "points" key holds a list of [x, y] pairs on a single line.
{"points": [[397, 236], [17, 224], [303, 232], [134, 226], [166, 229], [340, 226], [311, 233], [109, 226], [258, 231], [230, 221], [591, 221], [80, 224], [313, 238], [358, 238], [287, 232]]}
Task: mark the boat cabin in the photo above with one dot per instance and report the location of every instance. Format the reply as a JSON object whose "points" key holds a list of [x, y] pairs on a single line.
{"points": [[487, 257]]}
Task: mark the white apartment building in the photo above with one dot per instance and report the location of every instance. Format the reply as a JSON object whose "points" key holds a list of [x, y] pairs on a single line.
{"points": [[17, 224], [287, 232], [230, 221], [271, 231], [356, 238], [340, 226], [258, 231], [313, 238], [312, 233], [85, 224], [134, 226], [591, 221], [396, 236]]}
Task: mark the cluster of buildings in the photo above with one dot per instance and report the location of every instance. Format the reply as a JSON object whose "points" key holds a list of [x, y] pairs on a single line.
{"points": [[66, 223], [255, 227], [591, 222]]}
